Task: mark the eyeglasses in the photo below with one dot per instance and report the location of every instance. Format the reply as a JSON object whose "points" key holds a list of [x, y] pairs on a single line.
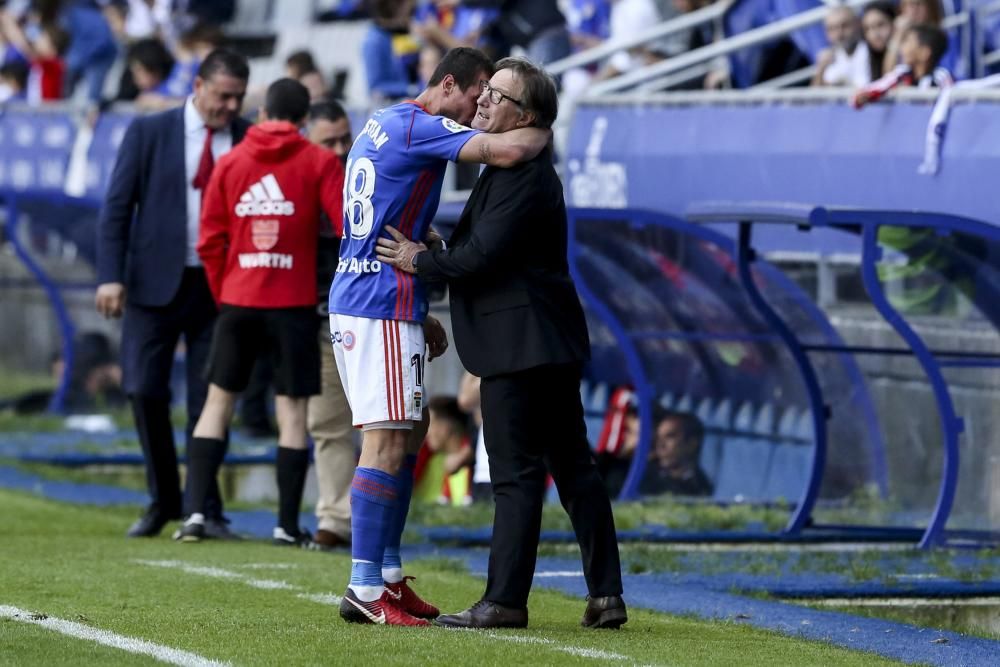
{"points": [[495, 95]]}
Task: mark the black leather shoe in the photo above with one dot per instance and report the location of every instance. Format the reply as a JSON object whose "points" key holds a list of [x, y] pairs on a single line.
{"points": [[485, 614], [217, 528], [149, 525], [605, 612]]}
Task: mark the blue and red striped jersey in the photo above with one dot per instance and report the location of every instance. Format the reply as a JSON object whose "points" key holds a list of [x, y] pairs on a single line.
{"points": [[394, 174]]}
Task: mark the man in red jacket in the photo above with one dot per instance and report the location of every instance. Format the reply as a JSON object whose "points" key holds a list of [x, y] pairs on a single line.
{"points": [[259, 230]]}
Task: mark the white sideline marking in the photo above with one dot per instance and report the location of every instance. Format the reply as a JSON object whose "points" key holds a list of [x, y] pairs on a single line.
{"points": [[572, 650], [166, 654], [268, 566], [219, 573], [322, 598], [264, 584], [560, 573]]}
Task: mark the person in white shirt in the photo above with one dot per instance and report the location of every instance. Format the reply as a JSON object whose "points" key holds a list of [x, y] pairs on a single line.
{"points": [[846, 62]]}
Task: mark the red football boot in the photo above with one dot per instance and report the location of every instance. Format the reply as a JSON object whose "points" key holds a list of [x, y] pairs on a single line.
{"points": [[403, 597], [383, 611]]}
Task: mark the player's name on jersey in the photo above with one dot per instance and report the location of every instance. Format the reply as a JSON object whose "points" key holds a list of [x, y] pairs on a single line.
{"points": [[355, 265], [265, 260], [375, 132]]}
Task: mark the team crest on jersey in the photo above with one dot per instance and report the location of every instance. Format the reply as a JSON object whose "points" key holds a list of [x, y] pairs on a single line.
{"points": [[265, 234], [452, 126], [349, 340]]}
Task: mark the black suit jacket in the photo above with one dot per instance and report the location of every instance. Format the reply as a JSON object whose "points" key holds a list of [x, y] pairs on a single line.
{"points": [[513, 303], [142, 228]]}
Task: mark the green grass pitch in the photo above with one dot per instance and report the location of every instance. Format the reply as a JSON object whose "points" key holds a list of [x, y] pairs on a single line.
{"points": [[252, 603]]}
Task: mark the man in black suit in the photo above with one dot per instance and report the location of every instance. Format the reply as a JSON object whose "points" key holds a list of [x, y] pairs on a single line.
{"points": [[518, 325], [149, 271]]}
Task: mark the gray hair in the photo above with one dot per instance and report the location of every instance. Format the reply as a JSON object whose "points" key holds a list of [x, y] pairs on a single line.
{"points": [[538, 89]]}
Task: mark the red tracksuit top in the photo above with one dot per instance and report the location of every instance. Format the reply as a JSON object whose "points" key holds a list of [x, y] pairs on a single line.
{"points": [[260, 218]]}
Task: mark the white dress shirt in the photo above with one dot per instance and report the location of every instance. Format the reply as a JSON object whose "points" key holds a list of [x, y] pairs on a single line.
{"points": [[194, 141]]}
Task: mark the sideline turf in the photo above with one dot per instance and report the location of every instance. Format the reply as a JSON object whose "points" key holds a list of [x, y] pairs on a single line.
{"points": [[73, 563]]}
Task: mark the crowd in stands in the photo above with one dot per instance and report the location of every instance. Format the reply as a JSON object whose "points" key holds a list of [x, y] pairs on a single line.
{"points": [[55, 49], [58, 49], [881, 49]]}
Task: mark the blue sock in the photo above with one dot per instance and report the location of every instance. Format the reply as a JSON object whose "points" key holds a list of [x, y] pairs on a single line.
{"points": [[374, 495], [392, 566]]}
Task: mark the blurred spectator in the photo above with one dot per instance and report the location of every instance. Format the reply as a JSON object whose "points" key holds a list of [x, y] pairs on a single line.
{"points": [[921, 49], [13, 82], [44, 55], [876, 28], [537, 26], [673, 464], [430, 58], [193, 46], [46, 80], [469, 401], [92, 48], [95, 382], [629, 17], [301, 67], [442, 471], [911, 13], [589, 24], [846, 61], [149, 62], [169, 89], [299, 63], [618, 440], [389, 52], [445, 27], [131, 20]]}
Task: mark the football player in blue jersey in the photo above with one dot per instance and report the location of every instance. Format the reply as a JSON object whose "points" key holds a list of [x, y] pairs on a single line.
{"points": [[378, 314]]}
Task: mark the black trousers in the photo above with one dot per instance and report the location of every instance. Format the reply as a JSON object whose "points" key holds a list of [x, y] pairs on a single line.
{"points": [[534, 425], [149, 340]]}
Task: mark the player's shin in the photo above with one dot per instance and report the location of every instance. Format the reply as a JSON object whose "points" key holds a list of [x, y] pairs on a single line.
{"points": [[374, 497], [392, 565]]}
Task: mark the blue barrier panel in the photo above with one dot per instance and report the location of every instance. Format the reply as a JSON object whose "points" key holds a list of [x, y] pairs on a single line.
{"points": [[34, 148]]}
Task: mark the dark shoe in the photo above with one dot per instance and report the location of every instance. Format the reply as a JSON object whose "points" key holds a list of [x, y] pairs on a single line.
{"points": [[149, 525], [217, 528], [283, 538], [329, 541], [193, 529], [605, 612], [485, 614]]}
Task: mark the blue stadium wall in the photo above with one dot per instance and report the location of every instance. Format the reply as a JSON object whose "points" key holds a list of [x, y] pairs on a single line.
{"points": [[663, 154]]}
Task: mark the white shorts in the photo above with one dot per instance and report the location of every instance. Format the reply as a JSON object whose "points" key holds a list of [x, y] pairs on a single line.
{"points": [[381, 363]]}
